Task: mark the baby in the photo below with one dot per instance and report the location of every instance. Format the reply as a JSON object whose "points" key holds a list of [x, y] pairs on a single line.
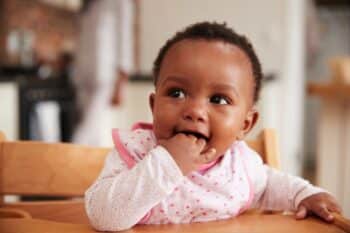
{"points": [[192, 164]]}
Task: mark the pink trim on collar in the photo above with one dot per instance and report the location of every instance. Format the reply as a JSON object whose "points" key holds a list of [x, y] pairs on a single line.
{"points": [[203, 168], [142, 125], [123, 152]]}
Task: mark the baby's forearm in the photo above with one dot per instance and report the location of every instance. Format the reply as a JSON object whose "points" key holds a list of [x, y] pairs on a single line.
{"points": [[284, 192], [119, 201]]}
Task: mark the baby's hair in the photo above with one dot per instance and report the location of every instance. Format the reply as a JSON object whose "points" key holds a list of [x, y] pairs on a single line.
{"points": [[214, 31]]}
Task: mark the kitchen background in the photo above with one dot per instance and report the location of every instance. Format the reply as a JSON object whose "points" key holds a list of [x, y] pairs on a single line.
{"points": [[295, 40]]}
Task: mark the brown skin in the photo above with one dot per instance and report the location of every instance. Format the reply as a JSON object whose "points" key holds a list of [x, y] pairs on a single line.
{"points": [[321, 204], [206, 88]]}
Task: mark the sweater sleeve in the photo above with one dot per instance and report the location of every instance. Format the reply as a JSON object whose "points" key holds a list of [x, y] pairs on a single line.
{"points": [[121, 197], [275, 190]]}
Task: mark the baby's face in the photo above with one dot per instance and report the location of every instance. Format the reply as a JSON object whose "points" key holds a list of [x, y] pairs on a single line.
{"points": [[204, 88]]}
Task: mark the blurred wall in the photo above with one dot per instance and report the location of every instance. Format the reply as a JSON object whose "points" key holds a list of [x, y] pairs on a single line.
{"points": [[135, 106], [262, 21], [2, 32]]}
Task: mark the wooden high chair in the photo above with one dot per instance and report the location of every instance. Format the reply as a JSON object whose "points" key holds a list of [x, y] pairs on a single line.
{"points": [[30, 168]]}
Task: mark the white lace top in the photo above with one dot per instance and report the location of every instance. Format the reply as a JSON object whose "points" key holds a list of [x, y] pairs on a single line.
{"points": [[141, 184]]}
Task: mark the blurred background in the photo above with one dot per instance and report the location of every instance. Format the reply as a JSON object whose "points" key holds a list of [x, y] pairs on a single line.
{"points": [[70, 70]]}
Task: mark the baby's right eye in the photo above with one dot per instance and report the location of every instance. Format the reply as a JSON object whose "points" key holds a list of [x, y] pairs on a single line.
{"points": [[176, 93]]}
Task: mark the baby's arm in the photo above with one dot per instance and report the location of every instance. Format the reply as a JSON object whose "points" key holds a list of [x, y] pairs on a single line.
{"points": [[287, 192], [276, 190], [121, 197], [321, 204], [273, 189]]}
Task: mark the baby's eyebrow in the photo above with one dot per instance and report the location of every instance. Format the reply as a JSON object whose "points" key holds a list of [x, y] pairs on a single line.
{"points": [[176, 79]]}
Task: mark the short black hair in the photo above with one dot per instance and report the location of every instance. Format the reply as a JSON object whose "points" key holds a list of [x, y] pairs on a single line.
{"points": [[213, 31]]}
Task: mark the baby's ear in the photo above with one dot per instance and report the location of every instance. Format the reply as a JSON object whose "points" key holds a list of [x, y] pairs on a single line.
{"points": [[151, 101], [249, 123]]}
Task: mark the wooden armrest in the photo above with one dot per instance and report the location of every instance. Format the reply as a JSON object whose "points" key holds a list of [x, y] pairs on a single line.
{"points": [[13, 213], [341, 222]]}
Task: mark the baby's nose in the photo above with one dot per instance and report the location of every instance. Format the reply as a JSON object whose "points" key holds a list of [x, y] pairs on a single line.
{"points": [[195, 111]]}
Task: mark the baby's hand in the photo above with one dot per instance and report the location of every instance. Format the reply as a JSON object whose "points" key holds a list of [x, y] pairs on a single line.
{"points": [[321, 204], [187, 151]]}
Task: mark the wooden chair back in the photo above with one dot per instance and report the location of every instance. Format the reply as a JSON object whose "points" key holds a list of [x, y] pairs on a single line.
{"points": [[37, 168], [30, 168], [266, 144]]}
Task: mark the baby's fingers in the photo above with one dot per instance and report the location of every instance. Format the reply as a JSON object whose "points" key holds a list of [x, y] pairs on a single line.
{"points": [[322, 211], [208, 156], [333, 207], [301, 212]]}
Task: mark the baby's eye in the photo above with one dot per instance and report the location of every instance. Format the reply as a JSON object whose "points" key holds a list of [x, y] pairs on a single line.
{"points": [[219, 99], [176, 93]]}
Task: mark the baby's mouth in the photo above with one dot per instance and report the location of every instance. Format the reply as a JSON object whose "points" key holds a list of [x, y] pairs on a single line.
{"points": [[198, 135]]}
